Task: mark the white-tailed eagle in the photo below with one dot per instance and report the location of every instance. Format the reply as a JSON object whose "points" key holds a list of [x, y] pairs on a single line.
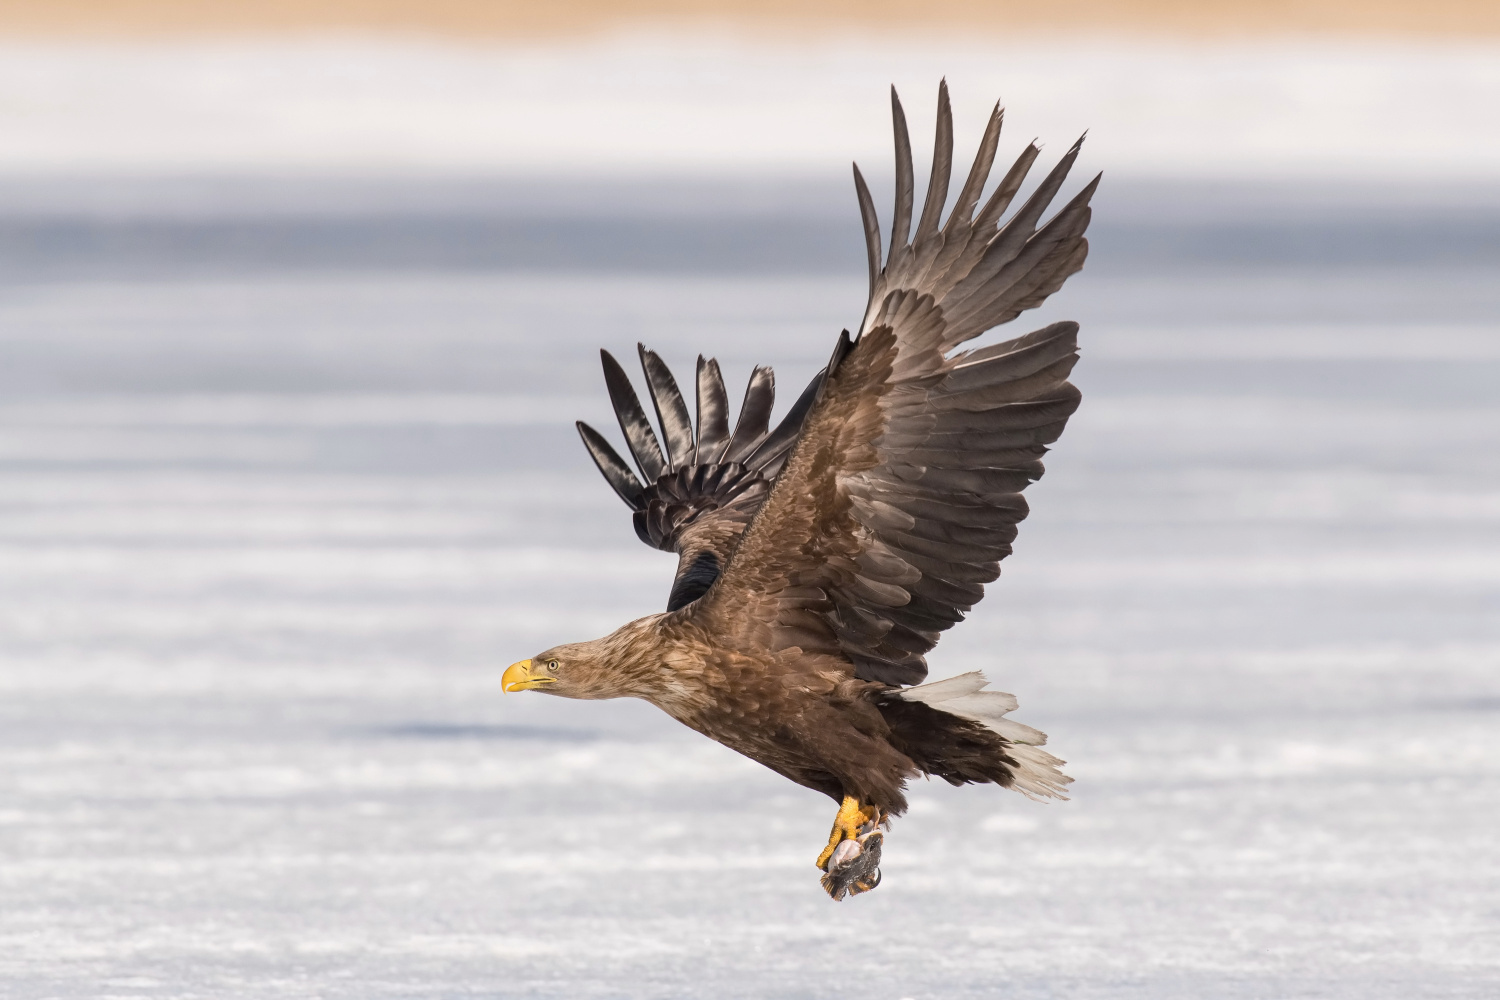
{"points": [[820, 561]]}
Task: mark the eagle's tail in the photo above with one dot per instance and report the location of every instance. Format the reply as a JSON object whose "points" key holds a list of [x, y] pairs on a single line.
{"points": [[958, 731]]}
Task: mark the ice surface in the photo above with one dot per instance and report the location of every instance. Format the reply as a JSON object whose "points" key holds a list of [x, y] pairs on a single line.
{"points": [[268, 538]]}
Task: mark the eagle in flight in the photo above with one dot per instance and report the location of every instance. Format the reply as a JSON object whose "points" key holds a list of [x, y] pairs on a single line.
{"points": [[820, 561]]}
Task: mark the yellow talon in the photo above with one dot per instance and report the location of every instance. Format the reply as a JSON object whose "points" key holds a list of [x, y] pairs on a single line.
{"points": [[852, 818]]}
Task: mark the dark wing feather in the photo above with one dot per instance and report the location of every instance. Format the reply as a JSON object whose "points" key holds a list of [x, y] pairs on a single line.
{"points": [[871, 223], [905, 178], [903, 492], [612, 466], [968, 197], [755, 415], [713, 412], [942, 167], [633, 423], [671, 411]]}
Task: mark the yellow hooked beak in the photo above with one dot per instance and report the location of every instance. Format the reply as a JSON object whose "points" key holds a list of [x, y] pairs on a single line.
{"points": [[520, 677]]}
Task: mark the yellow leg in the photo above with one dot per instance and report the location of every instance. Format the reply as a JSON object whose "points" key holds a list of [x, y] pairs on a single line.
{"points": [[851, 819]]}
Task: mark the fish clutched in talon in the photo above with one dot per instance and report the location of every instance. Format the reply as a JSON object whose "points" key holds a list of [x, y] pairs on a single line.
{"points": [[852, 857], [859, 871], [820, 560]]}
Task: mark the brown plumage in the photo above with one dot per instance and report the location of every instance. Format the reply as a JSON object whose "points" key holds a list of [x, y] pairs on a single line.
{"points": [[818, 562]]}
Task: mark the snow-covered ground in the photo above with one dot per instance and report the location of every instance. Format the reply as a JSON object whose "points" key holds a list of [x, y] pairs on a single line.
{"points": [[268, 540], [283, 488]]}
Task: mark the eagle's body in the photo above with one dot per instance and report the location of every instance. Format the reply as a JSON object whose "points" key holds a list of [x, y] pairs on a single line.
{"points": [[820, 560], [801, 715]]}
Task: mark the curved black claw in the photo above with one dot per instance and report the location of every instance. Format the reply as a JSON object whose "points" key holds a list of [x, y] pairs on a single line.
{"points": [[856, 874]]}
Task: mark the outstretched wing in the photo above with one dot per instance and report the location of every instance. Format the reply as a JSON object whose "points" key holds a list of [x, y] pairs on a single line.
{"points": [[702, 489], [903, 492]]}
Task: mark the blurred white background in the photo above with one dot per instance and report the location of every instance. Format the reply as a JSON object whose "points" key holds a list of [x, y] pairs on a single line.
{"points": [[648, 103]]}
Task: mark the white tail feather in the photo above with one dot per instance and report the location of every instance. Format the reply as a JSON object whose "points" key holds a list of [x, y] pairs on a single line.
{"points": [[1038, 774], [953, 687]]}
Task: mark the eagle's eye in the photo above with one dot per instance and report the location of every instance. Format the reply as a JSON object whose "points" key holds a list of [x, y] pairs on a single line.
{"points": [[552, 666]]}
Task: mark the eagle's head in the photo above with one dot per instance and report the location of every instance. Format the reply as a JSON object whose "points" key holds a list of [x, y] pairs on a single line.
{"points": [[611, 667], [571, 671]]}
